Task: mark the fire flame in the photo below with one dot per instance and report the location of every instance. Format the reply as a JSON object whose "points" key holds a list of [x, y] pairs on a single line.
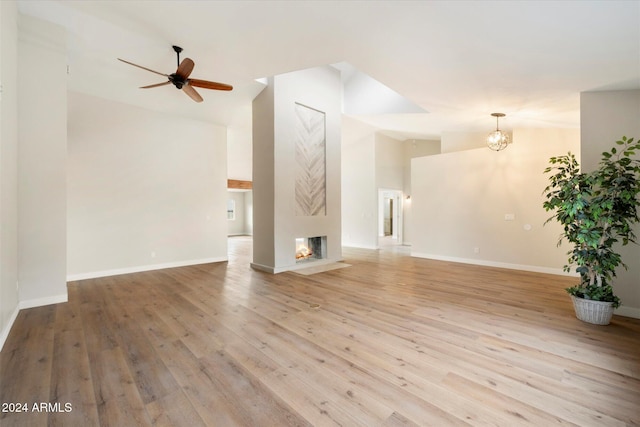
{"points": [[303, 252]]}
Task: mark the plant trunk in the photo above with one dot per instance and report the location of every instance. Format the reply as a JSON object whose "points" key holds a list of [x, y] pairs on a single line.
{"points": [[597, 278]]}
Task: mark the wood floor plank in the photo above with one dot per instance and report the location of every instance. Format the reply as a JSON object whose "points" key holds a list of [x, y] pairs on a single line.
{"points": [[393, 341], [116, 394], [390, 365], [275, 340], [151, 376], [240, 385], [277, 343], [68, 315], [314, 407], [206, 397], [398, 420], [25, 367], [71, 381], [545, 340], [174, 409], [512, 411]]}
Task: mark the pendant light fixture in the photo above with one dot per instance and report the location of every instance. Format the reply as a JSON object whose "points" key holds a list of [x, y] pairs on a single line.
{"points": [[498, 140]]}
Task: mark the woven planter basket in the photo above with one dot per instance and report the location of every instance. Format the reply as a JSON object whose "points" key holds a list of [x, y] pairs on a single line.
{"points": [[596, 312]]}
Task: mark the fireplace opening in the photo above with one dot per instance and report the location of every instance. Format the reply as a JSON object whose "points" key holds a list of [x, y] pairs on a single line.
{"points": [[311, 248]]}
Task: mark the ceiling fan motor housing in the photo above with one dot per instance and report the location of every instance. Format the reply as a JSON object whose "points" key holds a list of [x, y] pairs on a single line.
{"points": [[177, 80]]}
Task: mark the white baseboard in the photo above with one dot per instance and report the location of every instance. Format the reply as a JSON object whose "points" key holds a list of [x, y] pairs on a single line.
{"points": [[627, 311], [264, 268], [138, 269], [523, 267], [39, 302], [5, 331]]}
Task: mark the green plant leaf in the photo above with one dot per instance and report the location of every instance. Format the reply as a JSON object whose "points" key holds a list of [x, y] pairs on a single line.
{"points": [[596, 210]]}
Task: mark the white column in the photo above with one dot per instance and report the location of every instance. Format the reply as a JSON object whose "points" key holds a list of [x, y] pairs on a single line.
{"points": [[42, 158], [276, 225]]}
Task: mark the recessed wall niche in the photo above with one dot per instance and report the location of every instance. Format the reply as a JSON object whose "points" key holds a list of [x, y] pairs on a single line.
{"points": [[310, 173]]}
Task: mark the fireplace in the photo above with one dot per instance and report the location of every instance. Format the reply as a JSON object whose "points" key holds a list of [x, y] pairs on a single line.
{"points": [[311, 248]]}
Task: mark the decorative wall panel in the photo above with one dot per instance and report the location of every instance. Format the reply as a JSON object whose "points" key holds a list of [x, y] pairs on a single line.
{"points": [[310, 145]]}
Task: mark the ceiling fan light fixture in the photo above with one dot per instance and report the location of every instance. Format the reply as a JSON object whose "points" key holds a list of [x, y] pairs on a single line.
{"points": [[498, 140]]}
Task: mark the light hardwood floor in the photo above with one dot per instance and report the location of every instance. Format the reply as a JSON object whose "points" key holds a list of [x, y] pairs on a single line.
{"points": [[395, 341]]}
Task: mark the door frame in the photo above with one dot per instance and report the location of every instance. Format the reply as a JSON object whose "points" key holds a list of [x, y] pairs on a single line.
{"points": [[397, 217]]}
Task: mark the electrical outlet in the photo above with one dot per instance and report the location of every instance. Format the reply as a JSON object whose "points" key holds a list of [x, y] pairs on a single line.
{"points": [[476, 250], [153, 254], [509, 217]]}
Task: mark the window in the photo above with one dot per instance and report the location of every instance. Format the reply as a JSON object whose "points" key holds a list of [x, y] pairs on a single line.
{"points": [[231, 209]]}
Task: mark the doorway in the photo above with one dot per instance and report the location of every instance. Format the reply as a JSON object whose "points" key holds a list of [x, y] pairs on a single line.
{"points": [[389, 217], [239, 212]]}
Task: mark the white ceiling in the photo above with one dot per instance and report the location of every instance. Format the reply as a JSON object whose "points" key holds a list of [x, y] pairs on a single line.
{"points": [[458, 60]]}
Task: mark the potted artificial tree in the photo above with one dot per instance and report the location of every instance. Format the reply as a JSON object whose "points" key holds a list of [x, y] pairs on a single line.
{"points": [[597, 210]]}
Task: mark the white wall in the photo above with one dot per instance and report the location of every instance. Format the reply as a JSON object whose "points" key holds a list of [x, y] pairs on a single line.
{"points": [[319, 88], [606, 117], [42, 179], [359, 191], [460, 141], [413, 148], [146, 189], [8, 167], [239, 154], [460, 200], [248, 213], [389, 162], [416, 148]]}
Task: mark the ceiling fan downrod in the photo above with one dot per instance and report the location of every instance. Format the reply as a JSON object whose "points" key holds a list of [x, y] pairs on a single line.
{"points": [[177, 49]]}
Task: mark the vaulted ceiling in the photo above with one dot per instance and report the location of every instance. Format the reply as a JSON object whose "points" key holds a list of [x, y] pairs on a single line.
{"points": [[458, 60]]}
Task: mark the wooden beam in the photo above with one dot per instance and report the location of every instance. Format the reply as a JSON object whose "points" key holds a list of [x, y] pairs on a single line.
{"points": [[240, 185]]}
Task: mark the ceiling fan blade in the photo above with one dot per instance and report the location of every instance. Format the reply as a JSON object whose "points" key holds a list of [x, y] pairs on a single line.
{"points": [[192, 93], [144, 68], [205, 84], [185, 68], [156, 85]]}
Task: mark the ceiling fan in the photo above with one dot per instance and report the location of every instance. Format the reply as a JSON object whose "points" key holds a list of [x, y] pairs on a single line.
{"points": [[180, 79]]}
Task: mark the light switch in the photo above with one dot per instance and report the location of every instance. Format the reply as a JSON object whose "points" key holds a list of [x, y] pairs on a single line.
{"points": [[509, 217]]}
